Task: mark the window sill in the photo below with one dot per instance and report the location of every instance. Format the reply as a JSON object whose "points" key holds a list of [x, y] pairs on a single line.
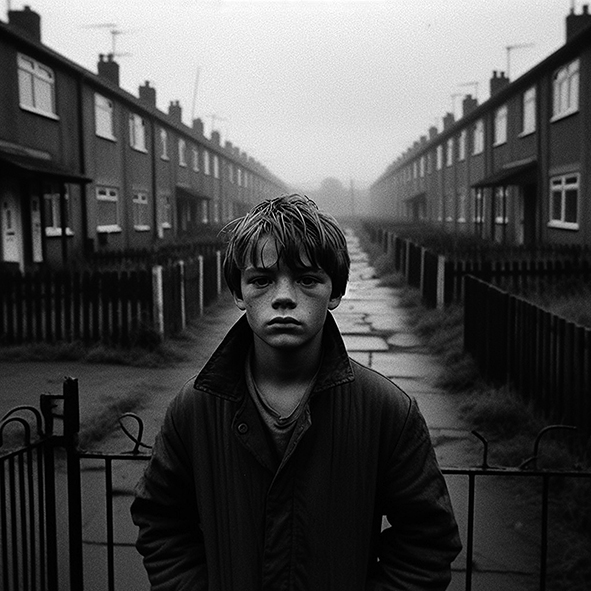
{"points": [[526, 133], [110, 138], [497, 144], [57, 232], [108, 229], [563, 225], [35, 111], [142, 150], [141, 228], [564, 115]]}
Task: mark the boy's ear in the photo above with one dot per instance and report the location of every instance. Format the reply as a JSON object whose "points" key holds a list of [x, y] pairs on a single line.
{"points": [[238, 301], [334, 302]]}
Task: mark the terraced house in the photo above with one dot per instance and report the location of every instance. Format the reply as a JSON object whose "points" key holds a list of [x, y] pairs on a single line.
{"points": [[85, 166], [516, 168]]}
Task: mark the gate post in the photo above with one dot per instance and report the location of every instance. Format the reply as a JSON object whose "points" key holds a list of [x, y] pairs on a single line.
{"points": [[71, 430]]}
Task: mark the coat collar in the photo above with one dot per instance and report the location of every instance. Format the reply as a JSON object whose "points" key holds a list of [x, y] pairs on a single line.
{"points": [[223, 374]]}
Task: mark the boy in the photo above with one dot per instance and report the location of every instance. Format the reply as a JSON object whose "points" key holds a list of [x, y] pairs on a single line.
{"points": [[275, 465]]}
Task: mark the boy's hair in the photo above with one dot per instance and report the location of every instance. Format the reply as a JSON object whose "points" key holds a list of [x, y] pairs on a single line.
{"points": [[300, 231]]}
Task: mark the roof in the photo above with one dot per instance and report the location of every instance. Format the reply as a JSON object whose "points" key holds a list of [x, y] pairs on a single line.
{"points": [[521, 172], [31, 166]]}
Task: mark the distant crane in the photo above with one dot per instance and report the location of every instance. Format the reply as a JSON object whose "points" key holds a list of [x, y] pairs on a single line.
{"points": [[114, 31], [509, 49]]}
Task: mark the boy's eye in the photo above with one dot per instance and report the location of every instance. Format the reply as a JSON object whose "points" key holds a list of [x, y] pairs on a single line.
{"points": [[260, 281], [309, 281]]}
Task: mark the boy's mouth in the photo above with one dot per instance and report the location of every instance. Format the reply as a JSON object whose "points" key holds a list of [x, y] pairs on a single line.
{"points": [[283, 320]]}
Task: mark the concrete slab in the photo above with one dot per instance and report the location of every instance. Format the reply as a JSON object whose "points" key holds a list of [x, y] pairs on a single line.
{"points": [[390, 320], [406, 365], [364, 343], [405, 340]]}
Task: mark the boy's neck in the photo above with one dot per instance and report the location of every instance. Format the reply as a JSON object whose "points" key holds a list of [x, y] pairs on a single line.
{"points": [[285, 367]]}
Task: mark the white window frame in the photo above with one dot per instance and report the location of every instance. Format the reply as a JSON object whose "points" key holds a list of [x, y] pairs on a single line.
{"points": [[182, 145], [439, 163], [478, 135], [53, 212], [137, 132], [500, 126], [165, 210], [204, 211], [141, 211], [164, 144], [559, 186], [501, 202], [479, 206], [36, 83], [195, 157], [565, 91], [216, 166], [422, 167], [528, 119], [206, 167], [230, 172], [108, 195], [462, 145], [449, 158], [104, 124]]}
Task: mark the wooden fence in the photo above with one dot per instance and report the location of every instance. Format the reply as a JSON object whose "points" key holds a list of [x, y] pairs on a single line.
{"points": [[545, 357], [115, 307], [440, 278]]}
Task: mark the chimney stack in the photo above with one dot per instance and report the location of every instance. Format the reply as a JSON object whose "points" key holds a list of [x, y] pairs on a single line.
{"points": [[147, 94], [575, 23], [108, 68], [27, 21], [468, 104], [215, 137], [198, 126], [175, 111], [498, 82], [448, 120], [432, 132]]}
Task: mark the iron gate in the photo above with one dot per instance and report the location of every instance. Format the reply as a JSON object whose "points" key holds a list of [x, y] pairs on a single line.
{"points": [[46, 535]]}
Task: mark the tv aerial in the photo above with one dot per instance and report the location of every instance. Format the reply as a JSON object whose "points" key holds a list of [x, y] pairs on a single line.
{"points": [[115, 32]]}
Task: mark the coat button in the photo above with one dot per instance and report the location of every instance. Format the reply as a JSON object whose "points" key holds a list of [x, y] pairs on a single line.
{"points": [[242, 428]]}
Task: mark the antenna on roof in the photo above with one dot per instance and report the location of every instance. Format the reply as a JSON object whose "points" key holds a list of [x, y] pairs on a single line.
{"points": [[195, 93], [509, 49], [114, 31], [474, 85]]}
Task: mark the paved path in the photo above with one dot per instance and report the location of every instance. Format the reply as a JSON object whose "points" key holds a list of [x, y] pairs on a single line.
{"points": [[376, 333]]}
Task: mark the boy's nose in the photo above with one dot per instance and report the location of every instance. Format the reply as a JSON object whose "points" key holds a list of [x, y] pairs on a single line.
{"points": [[284, 294]]}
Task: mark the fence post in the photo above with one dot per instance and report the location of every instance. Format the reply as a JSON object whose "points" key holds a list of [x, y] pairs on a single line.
{"points": [[200, 264], [182, 296], [71, 430], [158, 299], [440, 298], [218, 261]]}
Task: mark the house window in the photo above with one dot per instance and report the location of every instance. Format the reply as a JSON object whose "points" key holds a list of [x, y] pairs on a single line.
{"points": [[165, 211], [479, 206], [501, 216], [195, 152], [429, 163], [231, 172], [500, 126], [564, 201], [478, 145], [239, 175], [103, 117], [422, 167], [439, 157], [529, 111], [164, 144], [462, 204], [204, 211], [137, 132], [206, 170], [462, 145], [53, 212], [107, 209], [182, 152], [36, 85], [141, 212], [450, 152], [565, 90], [216, 166]]}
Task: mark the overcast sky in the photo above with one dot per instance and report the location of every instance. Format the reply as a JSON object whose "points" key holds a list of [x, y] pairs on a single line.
{"points": [[312, 89]]}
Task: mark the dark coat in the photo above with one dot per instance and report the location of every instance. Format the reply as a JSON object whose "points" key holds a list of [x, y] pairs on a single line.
{"points": [[217, 510]]}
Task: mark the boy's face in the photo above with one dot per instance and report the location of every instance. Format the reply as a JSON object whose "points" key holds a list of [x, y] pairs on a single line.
{"points": [[286, 308]]}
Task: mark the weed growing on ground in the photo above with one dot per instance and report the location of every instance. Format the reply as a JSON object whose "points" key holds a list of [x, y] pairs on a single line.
{"points": [[511, 427]]}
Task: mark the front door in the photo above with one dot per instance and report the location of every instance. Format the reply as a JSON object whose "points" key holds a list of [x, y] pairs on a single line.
{"points": [[12, 251]]}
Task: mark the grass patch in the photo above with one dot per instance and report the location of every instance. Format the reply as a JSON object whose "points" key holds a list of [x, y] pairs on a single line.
{"points": [[511, 426]]}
